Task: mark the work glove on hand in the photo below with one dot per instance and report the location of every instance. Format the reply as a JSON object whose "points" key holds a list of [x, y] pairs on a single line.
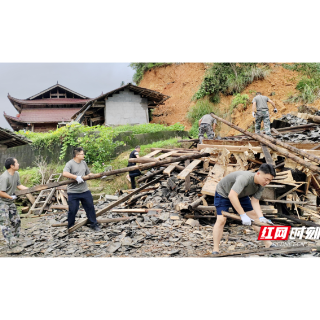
{"points": [[79, 179], [245, 219], [14, 197], [265, 220], [253, 114], [275, 110]]}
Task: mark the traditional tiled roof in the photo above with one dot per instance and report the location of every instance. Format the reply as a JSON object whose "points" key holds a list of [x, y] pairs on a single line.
{"points": [[43, 115], [11, 139], [52, 101], [154, 96]]}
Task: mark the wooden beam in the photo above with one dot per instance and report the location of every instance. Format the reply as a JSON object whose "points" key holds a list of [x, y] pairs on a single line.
{"points": [[229, 148], [267, 155], [275, 131], [187, 180], [182, 175], [285, 201], [166, 155], [146, 177], [290, 191], [65, 224], [151, 154], [214, 176], [113, 172], [7, 140], [237, 217], [170, 168]]}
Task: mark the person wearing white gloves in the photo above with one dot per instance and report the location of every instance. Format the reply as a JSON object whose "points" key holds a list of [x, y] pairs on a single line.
{"points": [[9, 218], [260, 112], [75, 169], [234, 191]]}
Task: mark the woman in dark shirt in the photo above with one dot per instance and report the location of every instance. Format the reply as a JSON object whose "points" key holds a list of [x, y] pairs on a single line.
{"points": [[133, 174]]}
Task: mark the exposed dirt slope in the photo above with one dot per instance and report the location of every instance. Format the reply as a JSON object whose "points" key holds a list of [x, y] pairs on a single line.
{"points": [[182, 81]]}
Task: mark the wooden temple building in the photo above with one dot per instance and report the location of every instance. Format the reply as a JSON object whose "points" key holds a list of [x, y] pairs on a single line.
{"points": [[44, 111]]}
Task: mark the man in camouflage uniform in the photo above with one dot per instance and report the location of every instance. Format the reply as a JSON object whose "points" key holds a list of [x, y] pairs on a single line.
{"points": [[260, 112], [207, 124], [9, 217]]}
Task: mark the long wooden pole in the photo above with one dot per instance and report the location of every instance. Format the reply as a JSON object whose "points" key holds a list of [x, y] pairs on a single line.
{"points": [[237, 217], [113, 172], [64, 224], [258, 137], [150, 175], [294, 149]]}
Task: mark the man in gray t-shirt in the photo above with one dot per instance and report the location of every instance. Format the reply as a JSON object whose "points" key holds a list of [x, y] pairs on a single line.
{"points": [[9, 217], [234, 191], [78, 191], [207, 124], [260, 112]]}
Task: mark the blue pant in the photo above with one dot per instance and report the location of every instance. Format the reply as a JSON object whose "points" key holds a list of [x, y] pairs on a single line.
{"points": [[87, 203], [223, 204], [133, 176]]}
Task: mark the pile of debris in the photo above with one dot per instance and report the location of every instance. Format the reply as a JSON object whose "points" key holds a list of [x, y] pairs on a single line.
{"points": [[173, 212]]}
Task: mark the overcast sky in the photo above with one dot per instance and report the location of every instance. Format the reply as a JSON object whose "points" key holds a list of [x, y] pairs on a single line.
{"points": [[22, 80]]}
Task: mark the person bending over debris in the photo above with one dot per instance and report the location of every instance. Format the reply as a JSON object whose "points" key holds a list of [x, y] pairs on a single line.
{"points": [[133, 174], [75, 169], [260, 112], [234, 191], [9, 217], [207, 124]]}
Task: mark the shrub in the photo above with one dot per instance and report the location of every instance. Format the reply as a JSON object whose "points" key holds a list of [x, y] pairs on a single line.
{"points": [[97, 141], [229, 78], [239, 99]]}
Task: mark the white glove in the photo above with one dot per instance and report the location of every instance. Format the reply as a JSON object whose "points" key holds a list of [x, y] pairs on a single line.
{"points": [[275, 110], [253, 114], [14, 197], [265, 220], [245, 219], [79, 179]]}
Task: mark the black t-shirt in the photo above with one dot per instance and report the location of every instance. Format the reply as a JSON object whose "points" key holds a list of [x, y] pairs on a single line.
{"points": [[133, 154]]}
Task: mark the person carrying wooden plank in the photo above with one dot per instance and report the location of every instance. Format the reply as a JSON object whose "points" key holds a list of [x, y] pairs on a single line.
{"points": [[75, 169], [9, 218], [133, 174], [260, 112], [207, 124], [234, 191]]}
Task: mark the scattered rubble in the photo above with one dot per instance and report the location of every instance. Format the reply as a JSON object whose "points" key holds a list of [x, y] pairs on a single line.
{"points": [[174, 216]]}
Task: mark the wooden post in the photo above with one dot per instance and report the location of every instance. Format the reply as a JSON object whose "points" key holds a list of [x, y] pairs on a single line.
{"points": [[272, 146], [187, 183], [113, 172]]}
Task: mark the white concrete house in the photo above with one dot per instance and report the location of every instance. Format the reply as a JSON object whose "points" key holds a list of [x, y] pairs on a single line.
{"points": [[128, 104]]}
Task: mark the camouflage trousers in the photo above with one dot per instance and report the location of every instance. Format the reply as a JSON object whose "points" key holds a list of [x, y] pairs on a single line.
{"points": [[9, 223], [205, 128], [263, 116]]}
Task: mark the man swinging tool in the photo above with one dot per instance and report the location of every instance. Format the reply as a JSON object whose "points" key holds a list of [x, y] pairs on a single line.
{"points": [[234, 191], [260, 112], [207, 124]]}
